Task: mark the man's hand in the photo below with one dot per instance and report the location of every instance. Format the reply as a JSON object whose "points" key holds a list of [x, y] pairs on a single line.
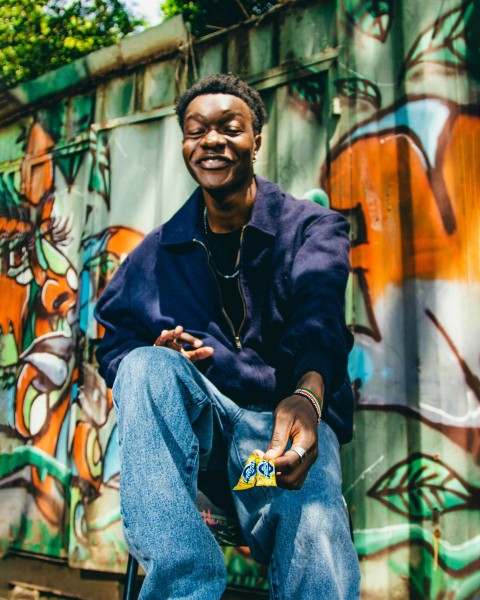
{"points": [[295, 420], [177, 338]]}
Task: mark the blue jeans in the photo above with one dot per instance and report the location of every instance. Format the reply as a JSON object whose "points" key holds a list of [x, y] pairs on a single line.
{"points": [[172, 422]]}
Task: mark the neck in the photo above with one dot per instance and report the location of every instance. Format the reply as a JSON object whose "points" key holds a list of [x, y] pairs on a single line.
{"points": [[229, 211]]}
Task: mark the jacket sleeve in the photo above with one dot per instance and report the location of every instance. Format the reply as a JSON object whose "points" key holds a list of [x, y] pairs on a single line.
{"points": [[317, 338], [123, 329]]}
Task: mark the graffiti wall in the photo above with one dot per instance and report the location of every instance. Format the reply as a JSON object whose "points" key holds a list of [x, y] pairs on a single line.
{"points": [[58, 461], [388, 133], [403, 165]]}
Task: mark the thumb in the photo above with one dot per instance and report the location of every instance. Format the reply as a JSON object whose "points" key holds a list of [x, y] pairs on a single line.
{"points": [[279, 441]]}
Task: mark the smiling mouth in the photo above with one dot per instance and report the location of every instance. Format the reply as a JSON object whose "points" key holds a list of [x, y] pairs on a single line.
{"points": [[212, 163]]}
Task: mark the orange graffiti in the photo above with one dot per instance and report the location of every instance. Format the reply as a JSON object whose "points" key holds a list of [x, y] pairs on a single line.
{"points": [[404, 232], [37, 169]]}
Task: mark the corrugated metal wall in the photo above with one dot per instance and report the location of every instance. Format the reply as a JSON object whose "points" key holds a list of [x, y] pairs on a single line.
{"points": [[377, 103]]}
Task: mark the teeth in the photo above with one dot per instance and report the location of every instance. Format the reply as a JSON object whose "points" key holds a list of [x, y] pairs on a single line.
{"points": [[210, 161]]}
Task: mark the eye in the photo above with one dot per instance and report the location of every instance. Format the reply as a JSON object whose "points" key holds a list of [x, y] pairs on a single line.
{"points": [[55, 230], [18, 267], [232, 131], [194, 133]]}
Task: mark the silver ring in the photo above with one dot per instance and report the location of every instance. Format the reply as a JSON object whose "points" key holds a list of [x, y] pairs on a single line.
{"points": [[301, 452]]}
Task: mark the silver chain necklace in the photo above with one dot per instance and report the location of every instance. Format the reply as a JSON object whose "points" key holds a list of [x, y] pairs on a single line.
{"points": [[212, 262]]}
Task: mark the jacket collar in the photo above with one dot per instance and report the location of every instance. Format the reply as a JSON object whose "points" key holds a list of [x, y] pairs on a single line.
{"points": [[187, 223]]}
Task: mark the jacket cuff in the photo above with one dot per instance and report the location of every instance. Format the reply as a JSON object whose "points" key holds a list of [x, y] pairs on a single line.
{"points": [[317, 361]]}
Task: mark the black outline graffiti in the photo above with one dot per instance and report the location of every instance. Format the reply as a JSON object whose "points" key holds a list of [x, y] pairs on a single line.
{"points": [[471, 379], [419, 484], [359, 88], [439, 41], [372, 9]]}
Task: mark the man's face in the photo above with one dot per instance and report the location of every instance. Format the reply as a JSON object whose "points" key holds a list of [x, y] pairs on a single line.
{"points": [[219, 142]]}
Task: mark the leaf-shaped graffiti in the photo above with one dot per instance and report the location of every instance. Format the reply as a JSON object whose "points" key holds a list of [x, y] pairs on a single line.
{"points": [[69, 163], [311, 89], [373, 17], [310, 92], [9, 194], [359, 88], [448, 41], [422, 484]]}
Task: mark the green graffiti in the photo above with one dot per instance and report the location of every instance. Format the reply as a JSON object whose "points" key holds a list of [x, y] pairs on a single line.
{"points": [[318, 196], [359, 88], [69, 163], [89, 534], [454, 558], [54, 120], [8, 350], [93, 453], [99, 156], [243, 570], [311, 89], [82, 109], [29, 332], [30, 396], [42, 261], [445, 41], [9, 194], [55, 260], [34, 535], [419, 485], [373, 17], [25, 456], [105, 520], [428, 581]]}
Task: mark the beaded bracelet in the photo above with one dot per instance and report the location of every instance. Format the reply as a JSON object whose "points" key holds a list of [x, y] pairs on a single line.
{"points": [[314, 401]]}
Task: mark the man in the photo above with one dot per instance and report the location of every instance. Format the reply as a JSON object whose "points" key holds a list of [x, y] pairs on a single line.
{"points": [[226, 327]]}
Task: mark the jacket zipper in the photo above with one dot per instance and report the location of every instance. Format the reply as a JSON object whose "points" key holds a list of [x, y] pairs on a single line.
{"points": [[237, 337], [236, 334]]}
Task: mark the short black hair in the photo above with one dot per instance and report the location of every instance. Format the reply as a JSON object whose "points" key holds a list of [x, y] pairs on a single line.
{"points": [[223, 83]]}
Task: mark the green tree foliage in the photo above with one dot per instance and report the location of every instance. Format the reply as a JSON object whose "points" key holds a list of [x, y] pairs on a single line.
{"points": [[206, 16], [37, 36]]}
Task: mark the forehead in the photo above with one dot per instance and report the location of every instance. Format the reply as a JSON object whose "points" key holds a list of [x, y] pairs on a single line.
{"points": [[218, 106]]}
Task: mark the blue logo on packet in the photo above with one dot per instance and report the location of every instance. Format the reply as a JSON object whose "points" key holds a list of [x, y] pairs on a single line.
{"points": [[265, 469], [249, 471]]}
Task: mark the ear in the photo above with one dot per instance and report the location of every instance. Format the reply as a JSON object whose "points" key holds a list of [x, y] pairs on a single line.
{"points": [[258, 141]]}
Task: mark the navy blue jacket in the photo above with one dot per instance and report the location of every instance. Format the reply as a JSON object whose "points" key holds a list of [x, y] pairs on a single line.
{"points": [[294, 265]]}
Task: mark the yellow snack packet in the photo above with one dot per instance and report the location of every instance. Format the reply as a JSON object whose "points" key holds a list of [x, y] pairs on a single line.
{"points": [[266, 472], [257, 471], [249, 474]]}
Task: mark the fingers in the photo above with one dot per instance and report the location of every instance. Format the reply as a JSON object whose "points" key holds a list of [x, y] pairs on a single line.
{"points": [[291, 473], [199, 354], [168, 336], [295, 421], [280, 436], [176, 339]]}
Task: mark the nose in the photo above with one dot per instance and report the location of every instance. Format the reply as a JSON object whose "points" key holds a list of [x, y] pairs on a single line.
{"points": [[213, 139]]}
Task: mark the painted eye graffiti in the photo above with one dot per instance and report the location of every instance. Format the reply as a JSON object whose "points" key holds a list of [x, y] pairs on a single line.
{"points": [[15, 263]]}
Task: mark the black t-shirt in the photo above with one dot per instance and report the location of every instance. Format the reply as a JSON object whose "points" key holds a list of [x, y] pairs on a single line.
{"points": [[224, 248]]}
